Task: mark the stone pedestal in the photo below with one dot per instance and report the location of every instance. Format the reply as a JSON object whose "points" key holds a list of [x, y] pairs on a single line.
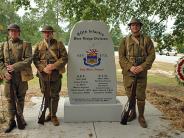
{"points": [[92, 112]]}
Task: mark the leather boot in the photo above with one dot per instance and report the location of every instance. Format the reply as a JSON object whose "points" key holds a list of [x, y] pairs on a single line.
{"points": [[21, 109], [11, 126], [11, 116], [132, 114], [48, 118], [141, 119], [55, 120], [52, 111], [54, 106]]}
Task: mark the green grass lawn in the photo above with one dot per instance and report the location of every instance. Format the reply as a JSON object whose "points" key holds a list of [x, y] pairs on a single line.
{"points": [[161, 80], [35, 88]]}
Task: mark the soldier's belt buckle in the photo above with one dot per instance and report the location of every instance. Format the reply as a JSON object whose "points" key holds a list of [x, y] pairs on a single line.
{"points": [[140, 59]]}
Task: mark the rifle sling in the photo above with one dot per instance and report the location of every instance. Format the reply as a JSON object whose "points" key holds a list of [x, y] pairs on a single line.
{"points": [[51, 52]]}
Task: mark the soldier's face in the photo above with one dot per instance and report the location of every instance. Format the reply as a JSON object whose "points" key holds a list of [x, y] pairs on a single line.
{"points": [[135, 27], [47, 35], [14, 34]]}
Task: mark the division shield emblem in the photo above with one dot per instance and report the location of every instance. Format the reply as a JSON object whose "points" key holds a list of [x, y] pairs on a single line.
{"points": [[92, 58]]}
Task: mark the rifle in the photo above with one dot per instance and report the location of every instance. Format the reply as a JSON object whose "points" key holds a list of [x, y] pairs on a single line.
{"points": [[2, 106], [13, 95], [130, 103], [47, 94], [45, 103]]}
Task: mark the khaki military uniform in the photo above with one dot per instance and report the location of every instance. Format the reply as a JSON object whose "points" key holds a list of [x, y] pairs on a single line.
{"points": [[20, 56], [144, 52], [54, 54]]}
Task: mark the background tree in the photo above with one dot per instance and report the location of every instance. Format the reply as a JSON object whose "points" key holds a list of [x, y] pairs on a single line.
{"points": [[153, 13], [116, 36], [7, 16], [178, 33]]}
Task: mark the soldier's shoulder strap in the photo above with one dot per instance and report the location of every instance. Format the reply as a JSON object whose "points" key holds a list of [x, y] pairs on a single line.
{"points": [[146, 40], [127, 40], [42, 45], [135, 40], [6, 45], [2, 47], [54, 54], [25, 44], [59, 46], [127, 43]]}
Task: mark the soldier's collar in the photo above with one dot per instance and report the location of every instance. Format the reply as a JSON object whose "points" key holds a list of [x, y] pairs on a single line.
{"points": [[14, 40], [52, 41]]}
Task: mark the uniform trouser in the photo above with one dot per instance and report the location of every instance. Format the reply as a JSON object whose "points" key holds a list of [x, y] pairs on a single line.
{"points": [[55, 88], [141, 87], [20, 90]]}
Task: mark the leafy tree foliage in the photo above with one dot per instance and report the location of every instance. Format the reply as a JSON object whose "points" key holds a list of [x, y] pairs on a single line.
{"points": [[153, 13], [116, 36], [178, 33], [7, 16]]}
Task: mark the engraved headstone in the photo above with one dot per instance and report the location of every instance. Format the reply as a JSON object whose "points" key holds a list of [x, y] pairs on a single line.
{"points": [[91, 75], [91, 65]]}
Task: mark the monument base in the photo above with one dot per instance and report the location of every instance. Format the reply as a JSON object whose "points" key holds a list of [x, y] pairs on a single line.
{"points": [[92, 112]]}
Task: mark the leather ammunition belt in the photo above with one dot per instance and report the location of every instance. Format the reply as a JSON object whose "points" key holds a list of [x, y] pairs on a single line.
{"points": [[136, 59]]}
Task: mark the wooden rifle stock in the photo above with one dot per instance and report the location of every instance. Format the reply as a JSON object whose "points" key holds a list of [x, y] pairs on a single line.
{"points": [[45, 103], [43, 109], [130, 104], [124, 116]]}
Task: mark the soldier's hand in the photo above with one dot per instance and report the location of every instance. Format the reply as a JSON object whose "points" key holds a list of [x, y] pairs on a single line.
{"points": [[47, 71], [10, 68], [138, 69], [8, 76], [132, 69], [51, 67]]}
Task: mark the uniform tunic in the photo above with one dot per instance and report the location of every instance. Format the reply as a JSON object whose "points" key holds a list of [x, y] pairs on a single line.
{"points": [[53, 53], [144, 53], [20, 59]]}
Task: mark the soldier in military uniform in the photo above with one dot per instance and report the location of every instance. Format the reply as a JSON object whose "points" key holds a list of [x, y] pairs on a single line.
{"points": [[50, 58], [136, 47], [15, 65]]}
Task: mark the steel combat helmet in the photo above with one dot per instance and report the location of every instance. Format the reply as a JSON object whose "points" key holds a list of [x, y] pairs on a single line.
{"points": [[47, 28], [13, 27], [135, 20]]}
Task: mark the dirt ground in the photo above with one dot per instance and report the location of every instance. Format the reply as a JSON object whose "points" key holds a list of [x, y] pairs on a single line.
{"points": [[168, 99]]}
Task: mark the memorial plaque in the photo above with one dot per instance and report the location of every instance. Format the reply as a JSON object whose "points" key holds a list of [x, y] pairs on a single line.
{"points": [[91, 64]]}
